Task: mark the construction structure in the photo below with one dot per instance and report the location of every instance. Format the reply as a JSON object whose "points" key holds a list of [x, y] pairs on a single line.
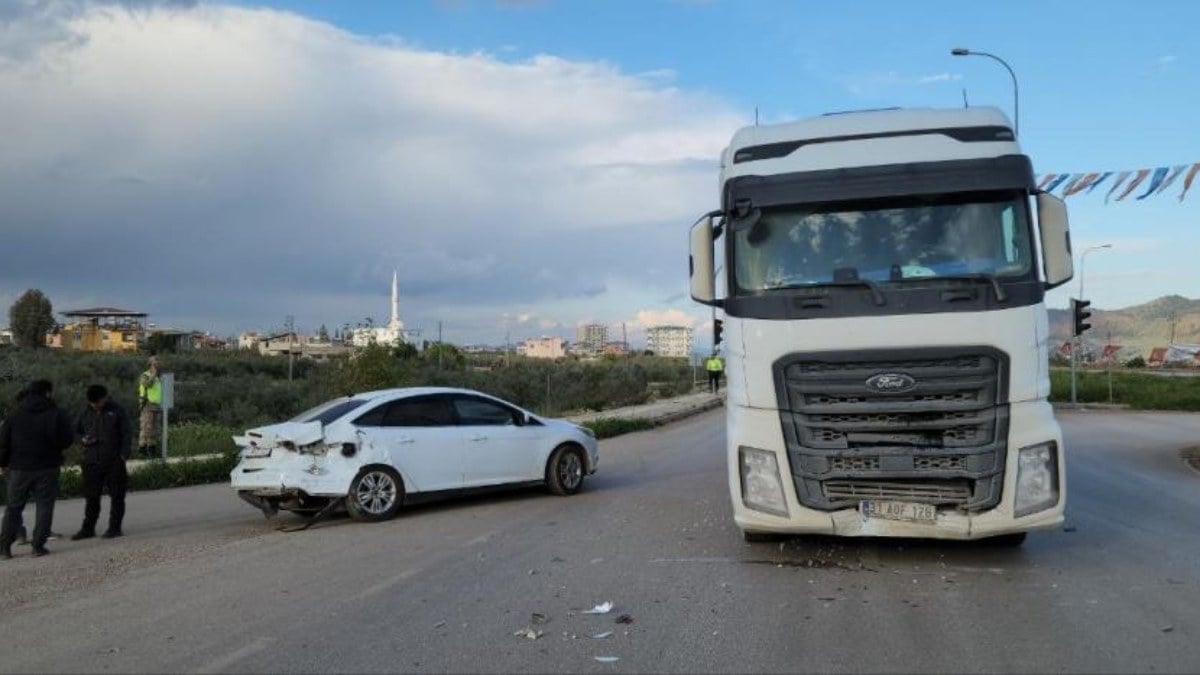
{"points": [[100, 329], [590, 337]]}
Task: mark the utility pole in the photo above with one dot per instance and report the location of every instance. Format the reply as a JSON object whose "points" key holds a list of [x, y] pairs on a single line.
{"points": [[440, 350], [290, 323], [624, 338], [1174, 317]]}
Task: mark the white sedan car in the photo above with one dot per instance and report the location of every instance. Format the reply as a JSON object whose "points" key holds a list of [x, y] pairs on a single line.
{"points": [[381, 449]]}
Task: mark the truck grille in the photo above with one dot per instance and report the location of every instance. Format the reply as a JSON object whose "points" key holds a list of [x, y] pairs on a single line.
{"points": [[939, 438], [927, 492]]}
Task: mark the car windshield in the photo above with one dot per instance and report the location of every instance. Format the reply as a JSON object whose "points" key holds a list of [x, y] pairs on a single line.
{"points": [[329, 411], [942, 236]]}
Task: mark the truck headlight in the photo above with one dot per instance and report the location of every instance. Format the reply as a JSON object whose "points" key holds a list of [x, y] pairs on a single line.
{"points": [[762, 486], [1037, 478]]}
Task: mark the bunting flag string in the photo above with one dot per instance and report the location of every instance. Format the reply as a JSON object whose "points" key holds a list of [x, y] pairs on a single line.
{"points": [[1122, 184]]}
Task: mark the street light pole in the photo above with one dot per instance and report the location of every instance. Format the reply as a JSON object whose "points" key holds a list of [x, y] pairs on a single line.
{"points": [[963, 51], [1078, 338]]}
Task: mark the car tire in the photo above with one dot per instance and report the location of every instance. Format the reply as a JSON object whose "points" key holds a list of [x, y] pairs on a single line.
{"points": [[1007, 540], [376, 493], [565, 470]]}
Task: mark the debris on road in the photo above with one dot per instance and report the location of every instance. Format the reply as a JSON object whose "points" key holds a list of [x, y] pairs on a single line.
{"points": [[625, 619], [529, 633], [440, 624], [539, 619], [607, 659], [1168, 629], [1068, 528], [602, 636], [602, 608]]}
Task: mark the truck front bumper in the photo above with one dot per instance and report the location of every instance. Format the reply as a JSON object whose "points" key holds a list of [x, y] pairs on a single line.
{"points": [[1032, 423]]}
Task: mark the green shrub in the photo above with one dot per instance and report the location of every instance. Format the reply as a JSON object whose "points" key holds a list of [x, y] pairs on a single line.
{"points": [[607, 427], [1136, 362]]}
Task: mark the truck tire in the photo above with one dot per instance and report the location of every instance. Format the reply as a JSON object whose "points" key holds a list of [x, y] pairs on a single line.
{"points": [[375, 494], [1013, 540], [762, 537]]}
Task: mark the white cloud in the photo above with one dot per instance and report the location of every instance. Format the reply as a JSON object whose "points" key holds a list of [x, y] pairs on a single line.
{"points": [[1167, 59], [228, 165], [940, 77]]}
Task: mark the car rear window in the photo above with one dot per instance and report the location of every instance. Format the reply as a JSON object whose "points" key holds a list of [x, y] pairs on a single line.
{"points": [[329, 412]]}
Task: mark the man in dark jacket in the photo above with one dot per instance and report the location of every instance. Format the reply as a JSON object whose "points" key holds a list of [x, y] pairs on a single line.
{"points": [[32, 441], [107, 437]]}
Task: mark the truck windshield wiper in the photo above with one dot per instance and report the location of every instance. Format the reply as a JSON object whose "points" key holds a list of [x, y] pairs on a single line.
{"points": [[1001, 296], [876, 293]]}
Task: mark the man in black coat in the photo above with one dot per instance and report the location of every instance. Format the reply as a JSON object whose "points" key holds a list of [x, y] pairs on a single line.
{"points": [[32, 441], [107, 438]]}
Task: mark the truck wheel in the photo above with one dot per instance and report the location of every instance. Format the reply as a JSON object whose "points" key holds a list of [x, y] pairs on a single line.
{"points": [[564, 471], [375, 494], [1008, 540], [761, 537]]}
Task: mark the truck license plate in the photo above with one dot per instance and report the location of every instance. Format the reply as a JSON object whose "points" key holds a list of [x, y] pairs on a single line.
{"points": [[921, 513]]}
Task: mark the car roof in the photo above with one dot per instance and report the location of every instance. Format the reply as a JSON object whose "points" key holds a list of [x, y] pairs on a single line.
{"points": [[404, 392]]}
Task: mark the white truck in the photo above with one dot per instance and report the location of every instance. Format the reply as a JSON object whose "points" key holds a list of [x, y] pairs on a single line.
{"points": [[884, 327]]}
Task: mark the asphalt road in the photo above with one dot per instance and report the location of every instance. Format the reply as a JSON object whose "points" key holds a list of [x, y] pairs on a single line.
{"points": [[204, 584]]}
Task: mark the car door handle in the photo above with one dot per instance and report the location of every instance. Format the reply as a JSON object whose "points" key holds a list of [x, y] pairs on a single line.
{"points": [[477, 439], [406, 439]]}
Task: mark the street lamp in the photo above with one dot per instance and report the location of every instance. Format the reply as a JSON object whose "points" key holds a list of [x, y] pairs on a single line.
{"points": [[963, 51], [1083, 259], [1079, 338]]}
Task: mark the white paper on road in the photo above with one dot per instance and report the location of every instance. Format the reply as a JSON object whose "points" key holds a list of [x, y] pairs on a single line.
{"points": [[602, 608], [607, 659]]}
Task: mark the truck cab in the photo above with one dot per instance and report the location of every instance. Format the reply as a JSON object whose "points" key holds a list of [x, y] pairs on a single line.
{"points": [[884, 275]]}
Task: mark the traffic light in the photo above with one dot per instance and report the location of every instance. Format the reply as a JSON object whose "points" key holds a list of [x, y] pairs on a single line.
{"points": [[1080, 313], [717, 327]]}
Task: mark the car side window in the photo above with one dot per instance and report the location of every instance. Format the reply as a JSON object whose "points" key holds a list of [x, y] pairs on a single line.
{"points": [[422, 411], [476, 412], [373, 417]]}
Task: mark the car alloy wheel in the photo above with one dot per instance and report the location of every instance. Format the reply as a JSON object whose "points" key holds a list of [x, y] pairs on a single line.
{"points": [[570, 470], [376, 493]]}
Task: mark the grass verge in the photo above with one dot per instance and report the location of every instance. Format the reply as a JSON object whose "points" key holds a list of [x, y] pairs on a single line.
{"points": [[1139, 391]]}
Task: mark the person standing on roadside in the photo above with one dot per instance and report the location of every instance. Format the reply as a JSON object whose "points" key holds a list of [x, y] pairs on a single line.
{"points": [[106, 436], [715, 365], [32, 441], [150, 407]]}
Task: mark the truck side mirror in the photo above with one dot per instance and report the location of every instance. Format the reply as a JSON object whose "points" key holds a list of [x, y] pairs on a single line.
{"points": [[1056, 240], [700, 263]]}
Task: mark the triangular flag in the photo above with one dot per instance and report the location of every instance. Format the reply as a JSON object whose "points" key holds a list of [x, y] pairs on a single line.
{"points": [[1057, 181], [1071, 183], [1046, 179], [1120, 180], [1171, 178], [1137, 180], [1096, 183], [1187, 182], [1079, 185], [1159, 174]]}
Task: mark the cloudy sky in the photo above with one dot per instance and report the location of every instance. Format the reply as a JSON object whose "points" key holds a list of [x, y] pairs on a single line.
{"points": [[523, 165]]}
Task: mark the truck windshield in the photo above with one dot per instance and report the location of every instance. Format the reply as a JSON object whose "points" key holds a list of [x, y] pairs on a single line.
{"points": [[984, 234]]}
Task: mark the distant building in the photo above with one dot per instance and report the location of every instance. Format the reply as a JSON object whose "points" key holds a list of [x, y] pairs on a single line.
{"points": [[673, 341], [618, 348], [591, 337], [101, 329], [543, 348], [6, 337], [249, 340]]}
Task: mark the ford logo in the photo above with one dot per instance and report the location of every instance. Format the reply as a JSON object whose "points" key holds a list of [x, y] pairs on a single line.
{"points": [[891, 383]]}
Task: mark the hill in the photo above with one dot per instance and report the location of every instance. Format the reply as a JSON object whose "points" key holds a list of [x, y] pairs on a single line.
{"points": [[1138, 328]]}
